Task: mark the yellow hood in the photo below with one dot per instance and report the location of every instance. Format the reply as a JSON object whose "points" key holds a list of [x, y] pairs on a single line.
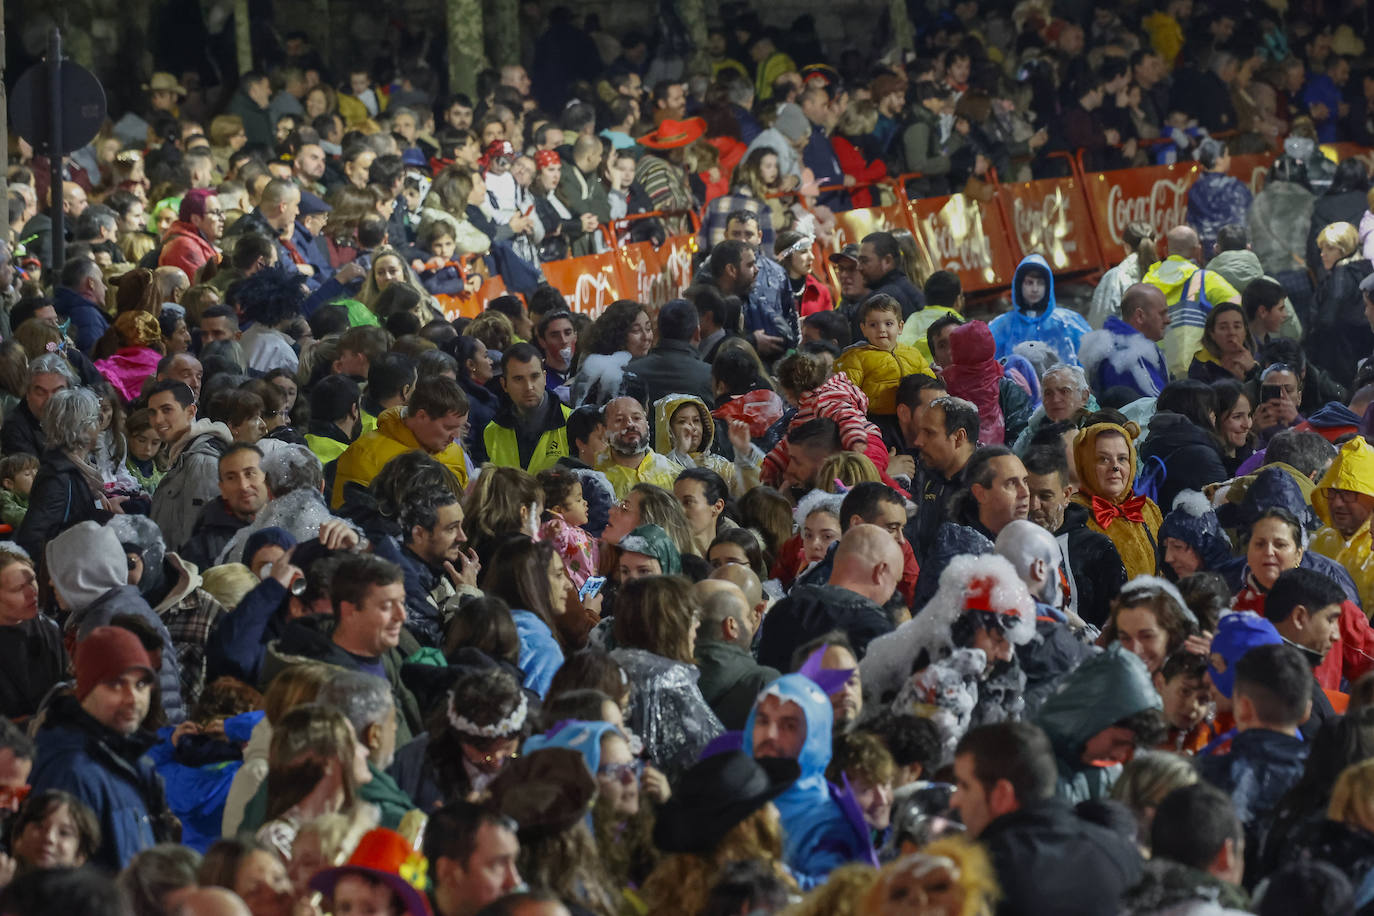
{"points": [[391, 423], [1353, 470], [665, 407]]}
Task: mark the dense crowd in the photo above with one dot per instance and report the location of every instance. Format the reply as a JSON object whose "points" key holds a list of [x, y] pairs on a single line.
{"points": [[777, 597]]}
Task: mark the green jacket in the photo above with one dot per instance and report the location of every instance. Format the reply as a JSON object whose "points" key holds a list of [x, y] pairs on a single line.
{"points": [[730, 680], [1099, 693], [13, 507]]}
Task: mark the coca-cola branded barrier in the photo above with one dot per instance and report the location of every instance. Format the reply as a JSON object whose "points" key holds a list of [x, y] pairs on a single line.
{"points": [[1074, 223]]}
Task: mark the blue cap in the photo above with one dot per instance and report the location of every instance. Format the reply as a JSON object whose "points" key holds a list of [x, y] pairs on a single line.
{"points": [[267, 537], [1237, 634], [414, 158], [312, 204]]}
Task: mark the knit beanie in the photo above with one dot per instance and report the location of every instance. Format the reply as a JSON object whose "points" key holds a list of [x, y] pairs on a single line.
{"points": [[266, 537], [105, 654]]}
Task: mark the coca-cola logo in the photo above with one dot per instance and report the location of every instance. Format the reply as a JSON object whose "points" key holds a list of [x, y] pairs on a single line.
{"points": [[594, 291], [677, 266], [956, 239], [1163, 207], [1045, 229]]}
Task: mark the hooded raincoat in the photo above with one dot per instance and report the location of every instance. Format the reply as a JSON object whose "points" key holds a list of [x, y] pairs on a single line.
{"points": [[1098, 694], [819, 833], [1352, 470], [740, 475], [1132, 522], [975, 375], [667, 709], [365, 458], [1061, 328]]}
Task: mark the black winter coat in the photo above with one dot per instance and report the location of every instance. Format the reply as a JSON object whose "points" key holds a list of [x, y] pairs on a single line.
{"points": [[1094, 566], [32, 660], [1340, 336], [897, 285], [1190, 454], [673, 367], [214, 529], [21, 432], [814, 610], [60, 498], [1051, 862]]}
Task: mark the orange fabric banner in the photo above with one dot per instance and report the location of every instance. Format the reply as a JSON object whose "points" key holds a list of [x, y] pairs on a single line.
{"points": [[588, 283], [1050, 217], [470, 305]]}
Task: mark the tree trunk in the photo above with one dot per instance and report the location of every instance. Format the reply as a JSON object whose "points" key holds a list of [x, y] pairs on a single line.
{"points": [[904, 36], [243, 36], [503, 32], [693, 16], [465, 57]]}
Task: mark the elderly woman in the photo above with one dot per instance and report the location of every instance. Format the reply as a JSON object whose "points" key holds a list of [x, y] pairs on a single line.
{"points": [[1064, 391], [69, 487], [1340, 336], [1105, 459]]}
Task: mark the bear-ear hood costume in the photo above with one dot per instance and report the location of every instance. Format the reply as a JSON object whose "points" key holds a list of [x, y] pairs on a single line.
{"points": [[1132, 522]]}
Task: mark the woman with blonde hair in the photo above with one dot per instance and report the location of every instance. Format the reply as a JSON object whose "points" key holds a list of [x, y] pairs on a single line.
{"points": [[135, 360], [294, 686], [1139, 240], [1340, 335], [1145, 781], [453, 191], [952, 876], [1345, 838], [493, 329], [227, 136], [500, 503], [721, 811], [847, 468]]}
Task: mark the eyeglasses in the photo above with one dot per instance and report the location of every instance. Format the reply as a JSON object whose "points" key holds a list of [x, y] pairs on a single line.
{"points": [[621, 772]]}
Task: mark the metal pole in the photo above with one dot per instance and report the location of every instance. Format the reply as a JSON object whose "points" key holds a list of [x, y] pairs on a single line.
{"points": [[4, 121], [55, 150]]}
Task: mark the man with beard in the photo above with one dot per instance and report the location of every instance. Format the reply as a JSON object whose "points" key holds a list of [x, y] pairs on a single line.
{"points": [[628, 459], [1091, 563], [433, 559], [530, 430], [946, 435], [242, 493]]}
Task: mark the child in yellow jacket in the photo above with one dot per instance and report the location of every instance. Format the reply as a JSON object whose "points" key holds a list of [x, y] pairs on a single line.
{"points": [[878, 366]]}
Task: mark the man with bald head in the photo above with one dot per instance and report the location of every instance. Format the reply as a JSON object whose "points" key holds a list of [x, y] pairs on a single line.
{"points": [[730, 678], [183, 368], [1189, 296], [867, 567], [748, 583], [1125, 353]]}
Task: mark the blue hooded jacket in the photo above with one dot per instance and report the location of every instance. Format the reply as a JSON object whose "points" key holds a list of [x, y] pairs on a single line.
{"points": [[1060, 328], [819, 834]]}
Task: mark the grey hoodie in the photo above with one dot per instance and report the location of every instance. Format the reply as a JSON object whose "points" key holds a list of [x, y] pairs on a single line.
{"points": [[91, 575], [190, 482]]}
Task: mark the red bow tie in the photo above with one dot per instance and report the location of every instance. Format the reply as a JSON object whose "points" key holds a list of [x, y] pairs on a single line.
{"points": [[1105, 512]]}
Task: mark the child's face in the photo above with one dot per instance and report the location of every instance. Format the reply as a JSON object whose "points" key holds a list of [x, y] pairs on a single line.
{"points": [[412, 198], [443, 247], [686, 427], [574, 508], [820, 531], [144, 445], [22, 482], [881, 328], [940, 350], [1185, 700]]}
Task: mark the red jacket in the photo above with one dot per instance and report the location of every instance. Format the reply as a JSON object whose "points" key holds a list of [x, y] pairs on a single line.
{"points": [[853, 163], [815, 297], [186, 248]]}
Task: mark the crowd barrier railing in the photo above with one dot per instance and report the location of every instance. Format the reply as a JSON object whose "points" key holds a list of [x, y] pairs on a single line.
{"points": [[1076, 223]]}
